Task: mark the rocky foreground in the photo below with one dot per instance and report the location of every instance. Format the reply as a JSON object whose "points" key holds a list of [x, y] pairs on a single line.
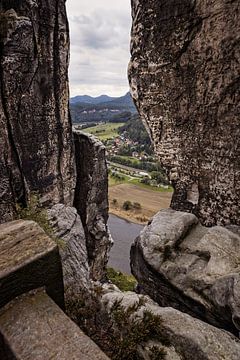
{"points": [[195, 269], [185, 82]]}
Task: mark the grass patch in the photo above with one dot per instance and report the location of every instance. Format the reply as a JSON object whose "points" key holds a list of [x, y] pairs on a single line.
{"points": [[149, 187], [136, 181], [35, 212], [124, 282], [104, 131]]}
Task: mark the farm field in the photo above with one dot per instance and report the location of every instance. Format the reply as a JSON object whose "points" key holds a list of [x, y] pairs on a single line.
{"points": [[104, 131], [151, 201]]}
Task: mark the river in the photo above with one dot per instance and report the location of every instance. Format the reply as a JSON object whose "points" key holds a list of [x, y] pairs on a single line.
{"points": [[123, 233]]}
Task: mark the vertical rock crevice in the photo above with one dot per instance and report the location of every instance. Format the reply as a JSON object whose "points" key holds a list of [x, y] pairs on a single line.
{"points": [[91, 200], [35, 118]]}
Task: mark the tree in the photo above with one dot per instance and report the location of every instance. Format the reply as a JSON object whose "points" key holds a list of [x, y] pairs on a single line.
{"points": [[127, 205], [137, 206]]}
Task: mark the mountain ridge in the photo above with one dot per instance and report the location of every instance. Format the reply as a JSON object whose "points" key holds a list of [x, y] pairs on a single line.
{"points": [[85, 108], [87, 99]]}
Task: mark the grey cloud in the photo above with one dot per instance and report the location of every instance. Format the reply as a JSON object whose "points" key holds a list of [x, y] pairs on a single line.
{"points": [[99, 47]]}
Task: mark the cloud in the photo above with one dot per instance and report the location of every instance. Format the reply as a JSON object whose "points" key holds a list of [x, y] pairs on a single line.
{"points": [[100, 39]]}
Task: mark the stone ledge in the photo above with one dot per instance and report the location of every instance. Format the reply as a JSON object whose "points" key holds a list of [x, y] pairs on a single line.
{"points": [[29, 259], [35, 328]]}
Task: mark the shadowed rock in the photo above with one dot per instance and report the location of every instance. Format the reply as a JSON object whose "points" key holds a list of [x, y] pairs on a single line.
{"points": [[184, 78], [91, 200], [180, 263], [29, 259], [36, 148]]}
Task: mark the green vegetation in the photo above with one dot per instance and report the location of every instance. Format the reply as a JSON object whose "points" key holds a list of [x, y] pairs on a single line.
{"points": [[135, 163], [35, 212], [124, 282], [105, 109], [137, 133], [128, 205], [104, 131], [136, 332], [119, 178]]}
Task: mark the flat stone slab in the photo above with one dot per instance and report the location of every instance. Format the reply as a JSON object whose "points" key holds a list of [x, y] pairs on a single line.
{"points": [[29, 259], [35, 328]]}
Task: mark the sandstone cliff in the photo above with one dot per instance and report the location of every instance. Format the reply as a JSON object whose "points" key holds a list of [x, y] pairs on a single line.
{"points": [[179, 52], [184, 76], [36, 149]]}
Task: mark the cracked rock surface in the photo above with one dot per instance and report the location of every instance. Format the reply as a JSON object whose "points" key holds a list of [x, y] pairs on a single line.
{"points": [[91, 200], [180, 336], [36, 137], [70, 236], [184, 78], [195, 269]]}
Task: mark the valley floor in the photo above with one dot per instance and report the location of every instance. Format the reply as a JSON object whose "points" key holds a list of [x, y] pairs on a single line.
{"points": [[151, 202]]}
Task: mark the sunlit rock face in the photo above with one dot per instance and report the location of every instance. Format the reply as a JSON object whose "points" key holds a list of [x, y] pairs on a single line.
{"points": [[184, 77], [190, 267], [36, 139]]}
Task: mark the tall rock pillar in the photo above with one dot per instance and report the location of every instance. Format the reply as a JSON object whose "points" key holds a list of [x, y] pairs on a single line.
{"points": [[36, 147], [184, 77]]}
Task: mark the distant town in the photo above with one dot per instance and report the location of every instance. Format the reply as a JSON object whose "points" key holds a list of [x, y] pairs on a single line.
{"points": [[138, 187]]}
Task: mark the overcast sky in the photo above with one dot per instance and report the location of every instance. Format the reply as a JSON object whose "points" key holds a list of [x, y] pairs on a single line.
{"points": [[99, 56]]}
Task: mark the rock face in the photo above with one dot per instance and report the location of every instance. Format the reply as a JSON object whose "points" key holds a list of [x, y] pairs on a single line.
{"points": [[173, 336], [36, 148], [180, 263], [68, 229], [91, 200], [184, 77]]}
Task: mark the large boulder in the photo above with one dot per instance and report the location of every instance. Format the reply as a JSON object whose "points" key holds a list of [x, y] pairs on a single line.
{"points": [[69, 233], [184, 78], [36, 147], [91, 200], [180, 263], [140, 329]]}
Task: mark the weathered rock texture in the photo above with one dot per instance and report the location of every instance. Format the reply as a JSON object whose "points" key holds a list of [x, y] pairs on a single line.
{"points": [[180, 263], [91, 200], [29, 259], [175, 334], [69, 232], [35, 139], [33, 327], [184, 76]]}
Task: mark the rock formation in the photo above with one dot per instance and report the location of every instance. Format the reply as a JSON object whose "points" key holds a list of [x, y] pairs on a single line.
{"points": [[169, 334], [91, 200], [70, 236], [36, 149], [184, 77], [184, 81], [180, 263]]}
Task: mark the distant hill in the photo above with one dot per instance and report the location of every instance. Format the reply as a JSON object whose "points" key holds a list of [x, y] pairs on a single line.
{"points": [[102, 108], [86, 99]]}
